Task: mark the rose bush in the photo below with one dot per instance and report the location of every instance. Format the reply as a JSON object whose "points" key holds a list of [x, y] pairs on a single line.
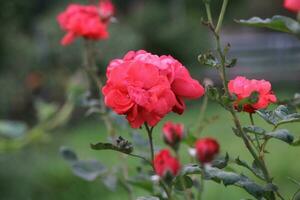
{"points": [[146, 87]]}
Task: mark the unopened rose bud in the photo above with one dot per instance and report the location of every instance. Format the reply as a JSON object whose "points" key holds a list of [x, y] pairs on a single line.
{"points": [[165, 164], [173, 134], [206, 149]]}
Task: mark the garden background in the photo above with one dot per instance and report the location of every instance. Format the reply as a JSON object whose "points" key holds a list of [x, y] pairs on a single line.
{"points": [[34, 65]]}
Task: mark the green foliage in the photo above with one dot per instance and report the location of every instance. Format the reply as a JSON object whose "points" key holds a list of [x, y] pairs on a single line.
{"points": [[281, 115], [122, 145], [147, 198], [278, 23], [182, 183], [12, 129]]}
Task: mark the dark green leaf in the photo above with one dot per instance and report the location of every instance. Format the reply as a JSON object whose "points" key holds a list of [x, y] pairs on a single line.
{"points": [[68, 154], [191, 169], [208, 59], [220, 162], [296, 143], [254, 129], [12, 129], [122, 145], [282, 134], [278, 23], [281, 115], [230, 178], [256, 171], [182, 183], [88, 169], [231, 63]]}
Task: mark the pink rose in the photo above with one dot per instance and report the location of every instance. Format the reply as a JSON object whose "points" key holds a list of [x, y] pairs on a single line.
{"points": [[145, 87], [243, 88], [292, 5], [85, 21]]}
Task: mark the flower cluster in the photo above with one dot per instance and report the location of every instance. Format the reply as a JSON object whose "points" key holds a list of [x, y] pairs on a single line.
{"points": [[243, 88], [88, 21], [292, 5], [145, 87], [165, 164]]}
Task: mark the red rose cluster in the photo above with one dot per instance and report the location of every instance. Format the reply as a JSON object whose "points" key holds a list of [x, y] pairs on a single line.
{"points": [[88, 21], [292, 5], [243, 88], [206, 149], [165, 164], [145, 87]]}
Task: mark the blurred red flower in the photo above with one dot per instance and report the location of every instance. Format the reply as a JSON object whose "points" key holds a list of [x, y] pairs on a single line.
{"points": [[243, 88], [206, 149], [173, 133], [145, 87], [86, 21], [292, 5], [165, 164]]}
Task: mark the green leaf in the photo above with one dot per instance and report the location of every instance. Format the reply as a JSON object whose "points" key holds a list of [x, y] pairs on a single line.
{"points": [[254, 129], [256, 171], [220, 162], [282, 134], [45, 110], [110, 181], [296, 143], [281, 115], [88, 170], [68, 154], [12, 129], [208, 59], [231, 178], [278, 23], [122, 145], [147, 198], [144, 184], [182, 183], [191, 169]]}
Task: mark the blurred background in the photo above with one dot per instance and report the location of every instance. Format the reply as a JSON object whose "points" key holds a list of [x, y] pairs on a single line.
{"points": [[35, 67]]}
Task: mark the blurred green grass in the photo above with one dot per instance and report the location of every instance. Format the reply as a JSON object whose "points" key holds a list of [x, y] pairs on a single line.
{"points": [[40, 173]]}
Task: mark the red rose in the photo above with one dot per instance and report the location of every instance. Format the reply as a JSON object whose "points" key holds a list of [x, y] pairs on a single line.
{"points": [[165, 164], [85, 21], [145, 87], [206, 149], [292, 5], [106, 9], [173, 133], [243, 88]]}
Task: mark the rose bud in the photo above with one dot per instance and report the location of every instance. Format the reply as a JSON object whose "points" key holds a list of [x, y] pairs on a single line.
{"points": [[206, 149], [165, 165], [243, 88], [173, 134], [292, 5]]}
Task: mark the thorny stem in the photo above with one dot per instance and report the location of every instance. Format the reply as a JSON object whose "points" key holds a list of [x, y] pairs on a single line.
{"points": [[256, 136], [221, 17], [237, 123], [149, 132], [89, 64], [209, 16]]}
